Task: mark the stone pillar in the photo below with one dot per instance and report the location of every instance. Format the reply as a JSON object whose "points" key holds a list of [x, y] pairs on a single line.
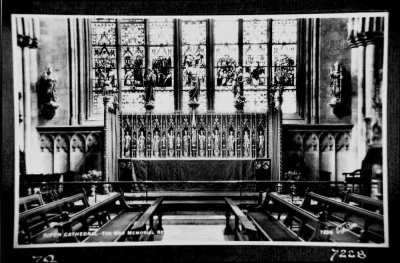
{"points": [[82, 69], [364, 70], [34, 77], [106, 130], [73, 72], [18, 82], [24, 44], [355, 140], [360, 40], [370, 82]]}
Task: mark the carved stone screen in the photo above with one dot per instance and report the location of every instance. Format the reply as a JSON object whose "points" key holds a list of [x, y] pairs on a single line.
{"points": [[233, 136]]}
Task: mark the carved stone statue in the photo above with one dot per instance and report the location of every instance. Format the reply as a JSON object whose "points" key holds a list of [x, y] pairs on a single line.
{"points": [[134, 145], [149, 84], [142, 144], [237, 79], [185, 144], [47, 94], [193, 75], [231, 144], [171, 144], [127, 144], [202, 143], [261, 142], [178, 144], [216, 143], [156, 144], [194, 142], [246, 144]]}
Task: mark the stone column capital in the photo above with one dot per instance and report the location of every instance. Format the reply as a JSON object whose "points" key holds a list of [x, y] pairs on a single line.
{"points": [[352, 41], [360, 39]]}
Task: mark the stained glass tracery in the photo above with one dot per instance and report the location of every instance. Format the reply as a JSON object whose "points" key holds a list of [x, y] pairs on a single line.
{"points": [[161, 42], [226, 57], [127, 40], [255, 53], [104, 54], [194, 52], [284, 52]]}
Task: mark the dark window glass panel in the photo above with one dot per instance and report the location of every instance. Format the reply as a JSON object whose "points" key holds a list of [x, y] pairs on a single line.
{"points": [[284, 64], [133, 61], [162, 63], [105, 56], [254, 76], [162, 55]]}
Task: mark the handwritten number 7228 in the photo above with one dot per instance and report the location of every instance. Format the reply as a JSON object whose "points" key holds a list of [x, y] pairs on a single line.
{"points": [[344, 253]]}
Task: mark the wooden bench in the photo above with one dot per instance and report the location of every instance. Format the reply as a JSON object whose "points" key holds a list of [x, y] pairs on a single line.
{"points": [[354, 178], [365, 202], [310, 227], [368, 225], [268, 226], [29, 202], [138, 232], [76, 228], [120, 227], [32, 221], [243, 228]]}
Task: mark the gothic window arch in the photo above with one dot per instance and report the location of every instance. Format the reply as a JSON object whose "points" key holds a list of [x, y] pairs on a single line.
{"points": [[260, 49]]}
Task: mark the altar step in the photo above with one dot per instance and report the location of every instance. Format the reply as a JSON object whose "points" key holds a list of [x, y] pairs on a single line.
{"points": [[191, 195], [199, 219], [197, 207]]}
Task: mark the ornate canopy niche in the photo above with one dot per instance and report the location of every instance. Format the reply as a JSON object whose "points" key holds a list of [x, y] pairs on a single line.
{"points": [[181, 146]]}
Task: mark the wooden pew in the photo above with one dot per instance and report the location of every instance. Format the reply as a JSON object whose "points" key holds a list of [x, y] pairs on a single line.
{"points": [[139, 231], [248, 231], [354, 178], [365, 202], [366, 224], [29, 202], [310, 227], [76, 228], [119, 227], [32, 221], [268, 226]]}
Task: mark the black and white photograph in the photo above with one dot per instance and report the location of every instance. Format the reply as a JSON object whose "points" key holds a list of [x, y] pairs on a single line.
{"points": [[203, 135]]}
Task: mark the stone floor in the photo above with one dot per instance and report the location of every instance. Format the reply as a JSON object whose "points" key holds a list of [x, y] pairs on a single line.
{"points": [[194, 234], [200, 229]]}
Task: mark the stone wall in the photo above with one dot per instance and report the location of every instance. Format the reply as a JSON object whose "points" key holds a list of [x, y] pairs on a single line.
{"points": [[334, 48]]}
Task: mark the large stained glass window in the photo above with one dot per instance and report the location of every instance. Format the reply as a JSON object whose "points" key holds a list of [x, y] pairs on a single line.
{"points": [[104, 64], [161, 59], [194, 39], [133, 63], [262, 52], [255, 62], [226, 62], [139, 44], [284, 53]]}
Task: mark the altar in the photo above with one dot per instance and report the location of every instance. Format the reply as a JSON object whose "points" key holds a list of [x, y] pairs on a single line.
{"points": [[200, 147], [187, 170]]}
